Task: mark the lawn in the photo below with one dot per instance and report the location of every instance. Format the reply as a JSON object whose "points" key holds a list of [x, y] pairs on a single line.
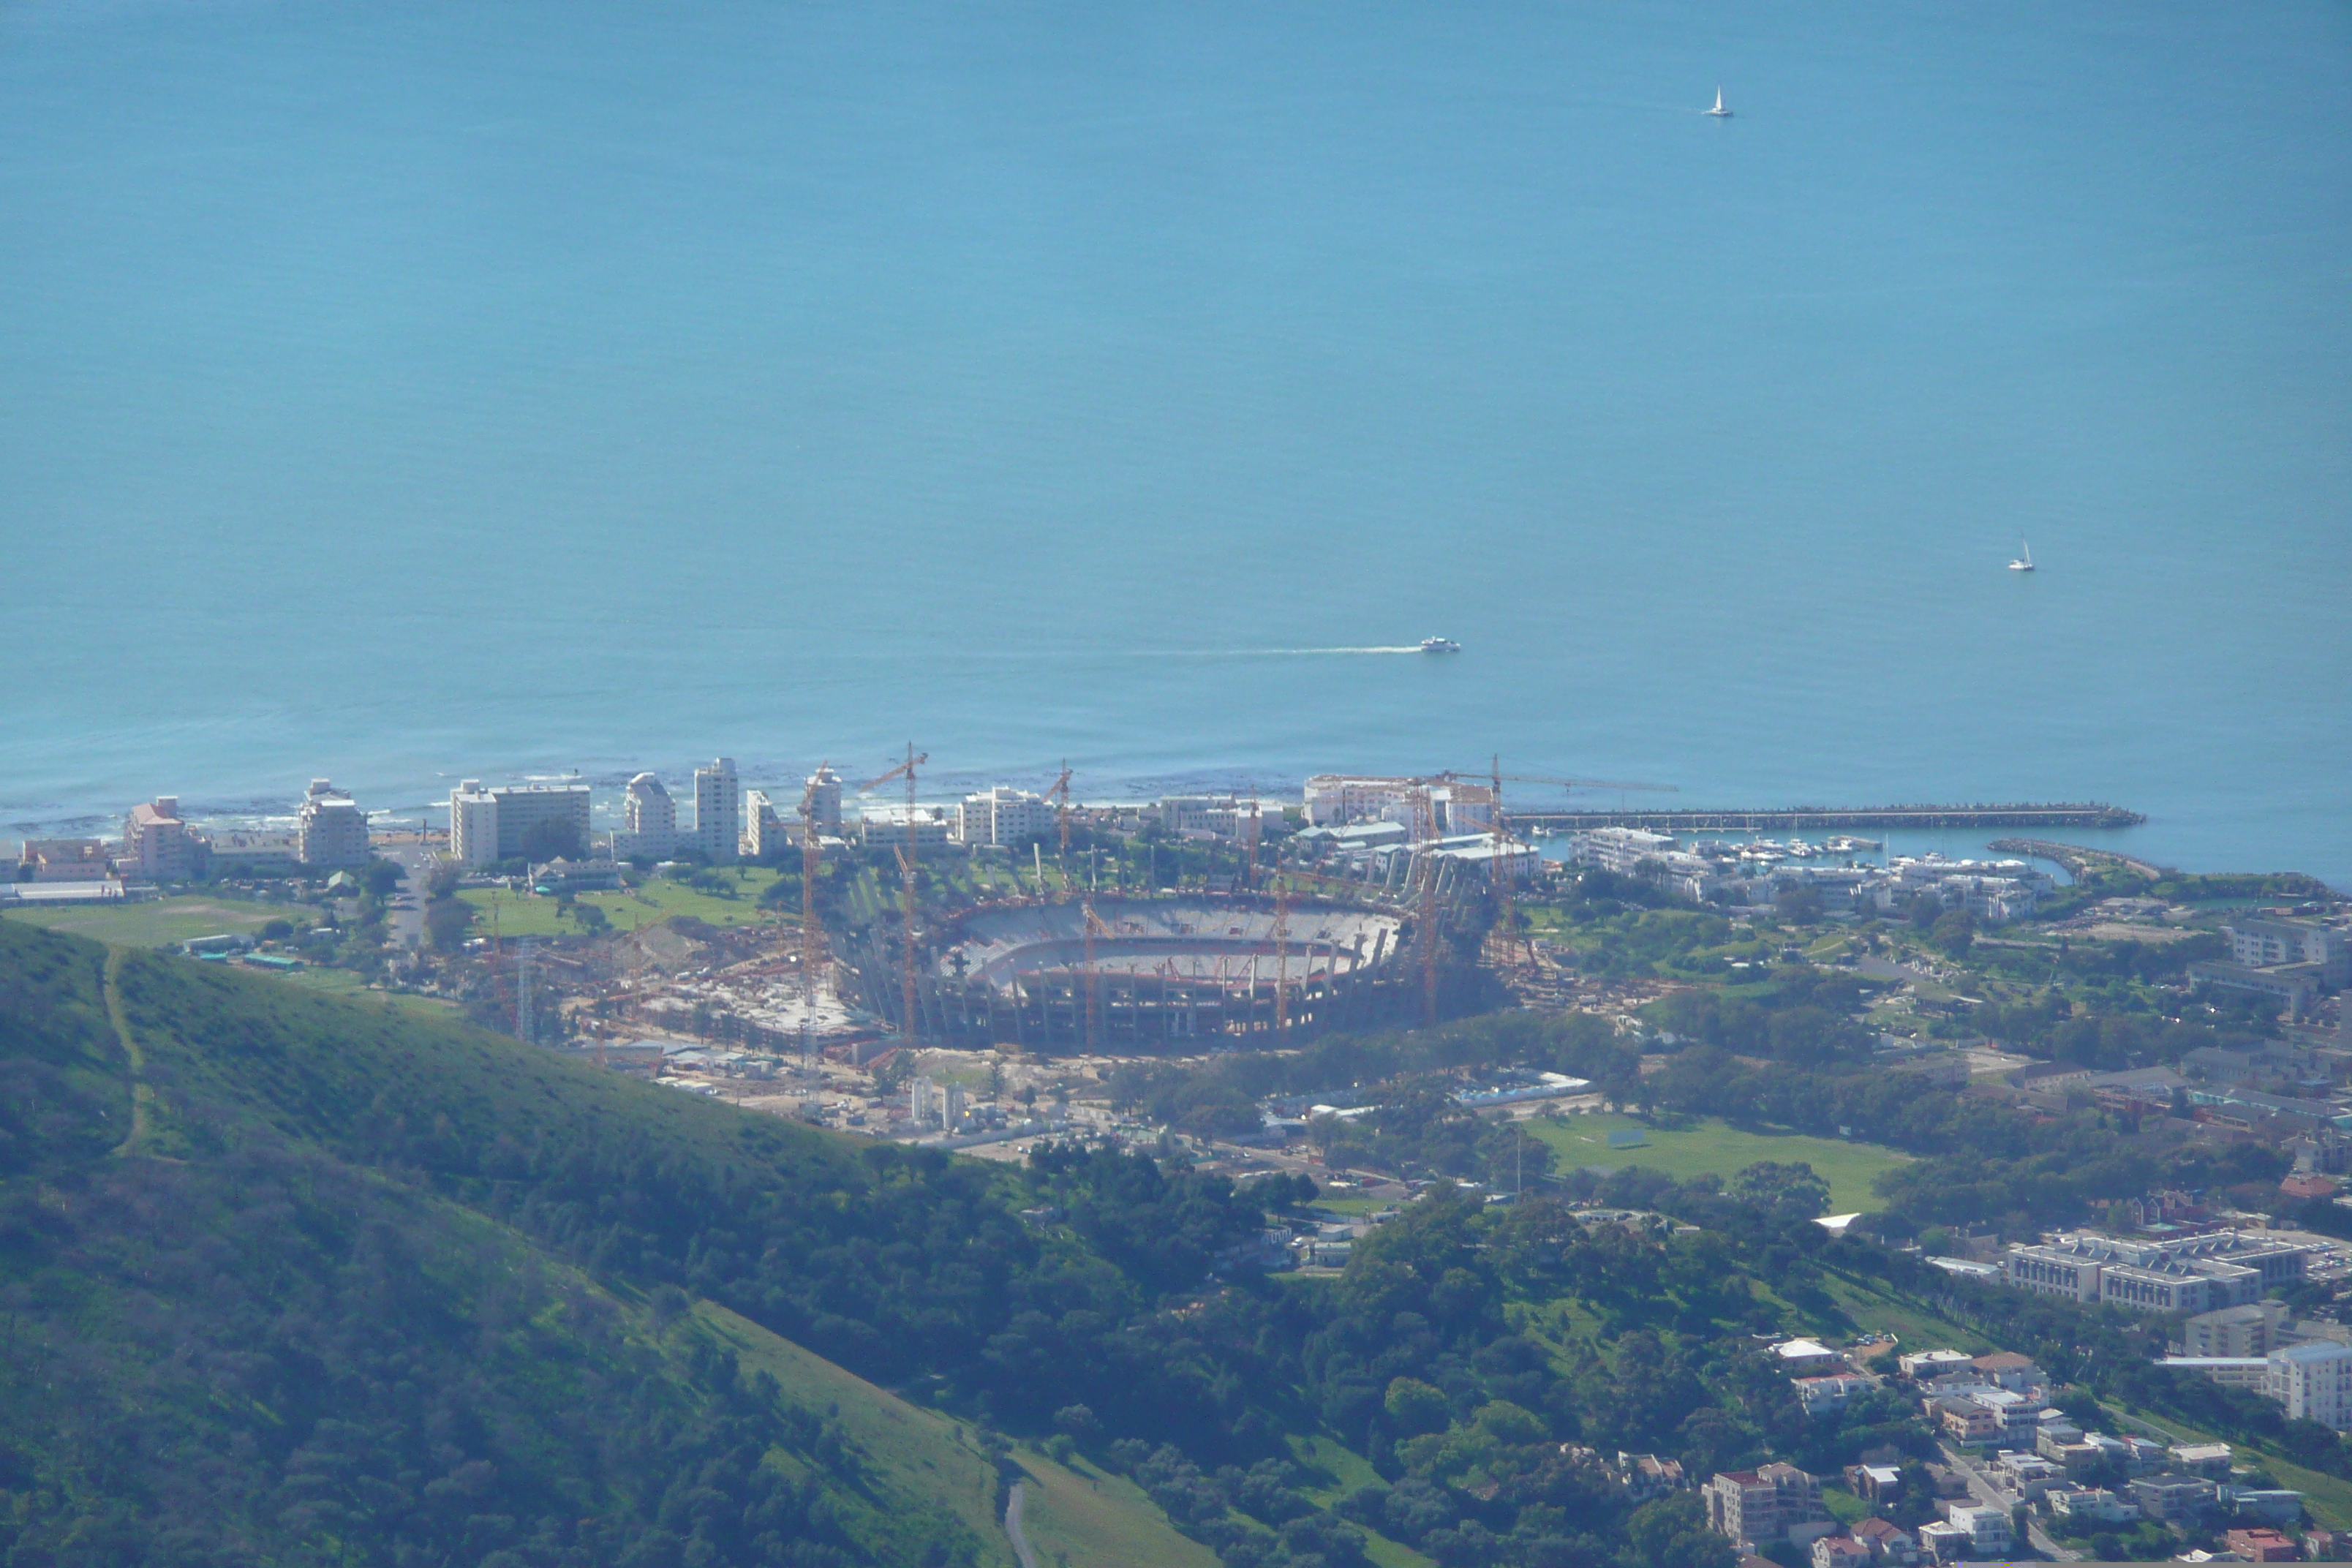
{"points": [[160, 923], [917, 1452], [1712, 1147], [1914, 1327], [659, 898], [1080, 1515]]}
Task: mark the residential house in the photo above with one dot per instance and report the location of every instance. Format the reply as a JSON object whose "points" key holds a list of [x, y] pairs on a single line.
{"points": [[1804, 1358], [1819, 1395], [2258, 1545], [2092, 1505], [1889, 1542], [1944, 1542], [1877, 1484], [2172, 1499], [1646, 1476], [2201, 1460], [2009, 1369], [1839, 1551], [1988, 1529]]}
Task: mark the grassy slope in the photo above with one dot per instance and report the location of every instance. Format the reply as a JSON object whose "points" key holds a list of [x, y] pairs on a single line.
{"points": [[1346, 1471], [253, 1064], [160, 922], [910, 1451], [1711, 1147], [1080, 1515]]}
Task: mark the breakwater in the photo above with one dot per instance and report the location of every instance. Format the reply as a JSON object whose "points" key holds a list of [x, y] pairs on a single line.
{"points": [[1801, 818]]}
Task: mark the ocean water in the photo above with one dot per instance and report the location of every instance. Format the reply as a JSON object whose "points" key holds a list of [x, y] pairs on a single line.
{"points": [[398, 392]]}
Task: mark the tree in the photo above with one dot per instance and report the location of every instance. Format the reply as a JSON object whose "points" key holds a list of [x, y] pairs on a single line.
{"points": [[1790, 1190], [1415, 1406], [445, 921], [1954, 932], [551, 838], [1798, 905]]}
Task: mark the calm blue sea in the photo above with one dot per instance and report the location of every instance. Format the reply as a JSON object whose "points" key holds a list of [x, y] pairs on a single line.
{"points": [[402, 391]]}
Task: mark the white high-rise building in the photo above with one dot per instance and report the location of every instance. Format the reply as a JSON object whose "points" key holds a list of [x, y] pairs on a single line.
{"points": [[825, 801], [1002, 815], [648, 822], [2313, 1382], [765, 833], [718, 810], [331, 830], [487, 825]]}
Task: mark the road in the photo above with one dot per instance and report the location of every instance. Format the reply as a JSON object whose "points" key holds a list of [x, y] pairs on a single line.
{"points": [[1981, 1489], [407, 912], [1012, 1509]]}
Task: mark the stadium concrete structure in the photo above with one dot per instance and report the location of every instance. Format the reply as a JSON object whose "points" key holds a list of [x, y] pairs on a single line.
{"points": [[1165, 970]]}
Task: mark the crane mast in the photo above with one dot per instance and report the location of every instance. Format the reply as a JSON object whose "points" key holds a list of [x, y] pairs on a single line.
{"points": [[813, 950], [905, 854], [1424, 834]]}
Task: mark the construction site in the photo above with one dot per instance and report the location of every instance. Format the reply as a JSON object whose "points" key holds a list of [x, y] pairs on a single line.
{"points": [[1261, 933], [1121, 973]]}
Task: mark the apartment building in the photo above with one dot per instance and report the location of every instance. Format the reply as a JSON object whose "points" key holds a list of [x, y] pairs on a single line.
{"points": [[1775, 1502], [1001, 816], [648, 821], [765, 832], [487, 825], [2260, 942], [330, 829], [717, 811], [2313, 1382], [158, 845]]}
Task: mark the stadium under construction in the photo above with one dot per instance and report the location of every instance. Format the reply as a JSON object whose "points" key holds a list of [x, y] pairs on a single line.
{"points": [[1139, 972]]}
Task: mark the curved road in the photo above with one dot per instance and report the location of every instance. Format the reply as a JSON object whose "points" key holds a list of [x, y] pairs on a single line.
{"points": [[1013, 1525]]}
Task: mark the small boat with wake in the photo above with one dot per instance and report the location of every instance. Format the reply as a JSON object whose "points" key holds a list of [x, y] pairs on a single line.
{"points": [[1440, 645]]}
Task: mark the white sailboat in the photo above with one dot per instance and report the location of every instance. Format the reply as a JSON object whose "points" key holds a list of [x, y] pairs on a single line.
{"points": [[1718, 111], [2024, 562]]}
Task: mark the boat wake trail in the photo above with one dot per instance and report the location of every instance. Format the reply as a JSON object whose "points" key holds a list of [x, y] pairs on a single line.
{"points": [[1292, 652]]}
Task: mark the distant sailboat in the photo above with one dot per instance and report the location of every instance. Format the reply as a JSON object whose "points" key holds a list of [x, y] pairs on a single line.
{"points": [[2024, 562], [1718, 111]]}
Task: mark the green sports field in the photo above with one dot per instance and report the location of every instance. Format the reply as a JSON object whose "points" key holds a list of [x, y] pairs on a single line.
{"points": [[1710, 1146], [160, 923]]}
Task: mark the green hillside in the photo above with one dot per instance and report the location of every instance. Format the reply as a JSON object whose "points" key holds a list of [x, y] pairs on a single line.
{"points": [[229, 1344], [292, 1278], [297, 1278]]}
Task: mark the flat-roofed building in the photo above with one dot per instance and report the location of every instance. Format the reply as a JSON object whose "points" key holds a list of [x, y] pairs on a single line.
{"points": [[487, 825], [885, 827], [1001, 816], [66, 860], [717, 811], [1772, 1503], [764, 830], [331, 830], [2192, 1274], [2259, 941], [649, 827], [1618, 849], [2252, 1329], [2313, 1382]]}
